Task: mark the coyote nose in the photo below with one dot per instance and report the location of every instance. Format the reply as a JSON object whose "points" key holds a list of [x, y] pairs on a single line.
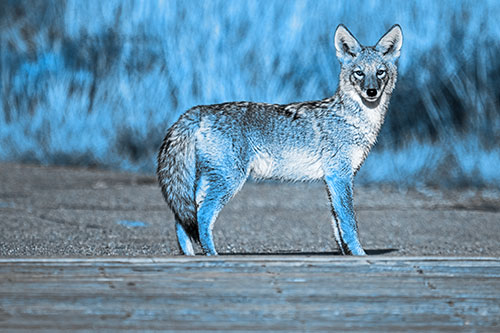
{"points": [[371, 92]]}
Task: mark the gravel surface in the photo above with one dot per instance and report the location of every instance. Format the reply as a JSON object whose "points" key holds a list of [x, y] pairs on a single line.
{"points": [[55, 211]]}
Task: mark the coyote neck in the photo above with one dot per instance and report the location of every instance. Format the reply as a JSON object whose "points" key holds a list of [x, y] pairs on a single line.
{"points": [[367, 117]]}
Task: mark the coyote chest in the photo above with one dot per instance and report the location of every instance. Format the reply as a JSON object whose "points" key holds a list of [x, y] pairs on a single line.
{"points": [[294, 164]]}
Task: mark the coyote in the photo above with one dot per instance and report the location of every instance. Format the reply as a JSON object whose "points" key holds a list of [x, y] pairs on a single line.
{"points": [[208, 154]]}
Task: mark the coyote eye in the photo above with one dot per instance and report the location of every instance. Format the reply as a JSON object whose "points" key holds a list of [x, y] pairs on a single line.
{"points": [[381, 73], [359, 74]]}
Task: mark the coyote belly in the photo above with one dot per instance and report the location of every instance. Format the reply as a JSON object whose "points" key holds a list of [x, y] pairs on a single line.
{"points": [[209, 153], [294, 165]]}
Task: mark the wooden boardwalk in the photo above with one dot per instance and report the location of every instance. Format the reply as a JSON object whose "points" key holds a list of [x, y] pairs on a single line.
{"points": [[251, 293]]}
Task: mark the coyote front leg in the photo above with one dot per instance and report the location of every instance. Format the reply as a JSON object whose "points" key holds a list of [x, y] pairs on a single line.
{"points": [[343, 220]]}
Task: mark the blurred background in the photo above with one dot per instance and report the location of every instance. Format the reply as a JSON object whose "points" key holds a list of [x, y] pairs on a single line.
{"points": [[97, 83]]}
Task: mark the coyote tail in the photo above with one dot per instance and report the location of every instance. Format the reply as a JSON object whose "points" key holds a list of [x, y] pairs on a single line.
{"points": [[177, 172]]}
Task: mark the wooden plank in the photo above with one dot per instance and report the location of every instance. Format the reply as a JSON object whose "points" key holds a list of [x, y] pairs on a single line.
{"points": [[250, 293]]}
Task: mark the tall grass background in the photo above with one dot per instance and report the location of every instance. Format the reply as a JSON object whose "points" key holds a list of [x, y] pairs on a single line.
{"points": [[97, 83]]}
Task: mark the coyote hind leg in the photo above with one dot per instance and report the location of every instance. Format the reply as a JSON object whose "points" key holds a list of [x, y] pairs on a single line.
{"points": [[211, 196], [183, 240]]}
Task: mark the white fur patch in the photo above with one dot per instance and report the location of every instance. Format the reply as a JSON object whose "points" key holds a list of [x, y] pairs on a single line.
{"points": [[201, 191], [374, 116], [262, 166], [357, 157], [293, 165]]}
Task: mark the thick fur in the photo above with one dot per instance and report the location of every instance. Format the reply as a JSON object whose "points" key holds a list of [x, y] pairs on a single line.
{"points": [[177, 163], [208, 154]]}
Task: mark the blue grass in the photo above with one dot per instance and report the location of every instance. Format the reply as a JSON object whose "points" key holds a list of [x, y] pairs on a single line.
{"points": [[98, 83]]}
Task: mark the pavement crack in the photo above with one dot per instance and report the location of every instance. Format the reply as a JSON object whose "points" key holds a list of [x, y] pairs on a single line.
{"points": [[56, 220]]}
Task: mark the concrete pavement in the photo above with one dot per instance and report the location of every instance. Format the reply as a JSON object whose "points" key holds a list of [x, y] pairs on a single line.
{"points": [[62, 211]]}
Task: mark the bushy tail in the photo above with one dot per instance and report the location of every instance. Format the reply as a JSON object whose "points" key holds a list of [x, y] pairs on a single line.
{"points": [[177, 171]]}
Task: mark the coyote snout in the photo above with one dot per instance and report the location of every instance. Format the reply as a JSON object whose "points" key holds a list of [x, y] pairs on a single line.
{"points": [[209, 153], [370, 85]]}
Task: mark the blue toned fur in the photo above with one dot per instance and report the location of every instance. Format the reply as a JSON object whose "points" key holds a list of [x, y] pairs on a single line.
{"points": [[209, 153]]}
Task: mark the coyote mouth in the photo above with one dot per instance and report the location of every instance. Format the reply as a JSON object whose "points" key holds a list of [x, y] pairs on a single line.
{"points": [[371, 102], [371, 99]]}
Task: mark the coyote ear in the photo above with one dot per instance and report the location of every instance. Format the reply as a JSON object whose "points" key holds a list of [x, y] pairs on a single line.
{"points": [[346, 44], [390, 43]]}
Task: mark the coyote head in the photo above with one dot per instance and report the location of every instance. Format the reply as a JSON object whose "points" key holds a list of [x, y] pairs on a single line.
{"points": [[368, 71]]}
